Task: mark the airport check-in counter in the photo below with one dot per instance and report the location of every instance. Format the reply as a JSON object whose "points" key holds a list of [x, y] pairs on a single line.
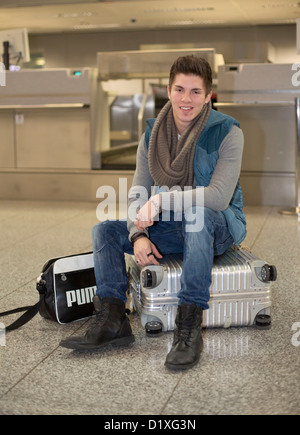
{"points": [[132, 87], [48, 119], [264, 100]]}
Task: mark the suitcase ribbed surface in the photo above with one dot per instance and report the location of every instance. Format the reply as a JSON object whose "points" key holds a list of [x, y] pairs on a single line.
{"points": [[237, 294]]}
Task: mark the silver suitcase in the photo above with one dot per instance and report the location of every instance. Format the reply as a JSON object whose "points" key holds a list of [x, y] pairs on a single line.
{"points": [[240, 291]]}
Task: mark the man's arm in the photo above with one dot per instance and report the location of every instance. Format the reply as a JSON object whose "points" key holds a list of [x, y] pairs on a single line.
{"points": [[145, 251], [140, 190]]}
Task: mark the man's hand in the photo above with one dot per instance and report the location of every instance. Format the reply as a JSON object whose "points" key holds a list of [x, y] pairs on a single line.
{"points": [[146, 215], [145, 252]]}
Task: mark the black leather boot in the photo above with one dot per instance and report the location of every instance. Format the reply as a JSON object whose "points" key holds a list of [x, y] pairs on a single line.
{"points": [[188, 342], [111, 326]]}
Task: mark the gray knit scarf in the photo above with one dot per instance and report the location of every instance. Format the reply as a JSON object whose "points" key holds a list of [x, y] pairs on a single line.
{"points": [[171, 160]]}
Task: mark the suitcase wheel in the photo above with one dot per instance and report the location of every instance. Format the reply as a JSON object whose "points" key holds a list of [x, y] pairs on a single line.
{"points": [[268, 273], [153, 328], [263, 321]]}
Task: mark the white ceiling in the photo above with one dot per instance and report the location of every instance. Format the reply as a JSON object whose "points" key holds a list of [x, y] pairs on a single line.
{"points": [[46, 16]]}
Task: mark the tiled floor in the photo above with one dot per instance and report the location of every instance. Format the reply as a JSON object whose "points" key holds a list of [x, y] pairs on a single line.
{"points": [[242, 370]]}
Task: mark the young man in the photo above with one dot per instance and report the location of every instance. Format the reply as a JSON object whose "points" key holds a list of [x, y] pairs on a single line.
{"points": [[191, 146]]}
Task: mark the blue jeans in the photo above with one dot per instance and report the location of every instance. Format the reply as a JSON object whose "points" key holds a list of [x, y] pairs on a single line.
{"points": [[110, 242]]}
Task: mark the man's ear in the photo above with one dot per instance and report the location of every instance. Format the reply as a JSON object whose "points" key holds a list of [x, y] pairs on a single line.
{"points": [[208, 97], [168, 89]]}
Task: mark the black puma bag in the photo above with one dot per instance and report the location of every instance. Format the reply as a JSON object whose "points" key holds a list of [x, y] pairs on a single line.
{"points": [[66, 288]]}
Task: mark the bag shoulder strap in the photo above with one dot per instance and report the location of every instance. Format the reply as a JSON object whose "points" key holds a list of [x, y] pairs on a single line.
{"points": [[30, 312]]}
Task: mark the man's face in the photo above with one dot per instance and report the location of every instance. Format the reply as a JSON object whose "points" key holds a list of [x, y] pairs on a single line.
{"points": [[187, 96]]}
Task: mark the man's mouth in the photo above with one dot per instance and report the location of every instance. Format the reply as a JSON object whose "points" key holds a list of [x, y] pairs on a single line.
{"points": [[185, 108]]}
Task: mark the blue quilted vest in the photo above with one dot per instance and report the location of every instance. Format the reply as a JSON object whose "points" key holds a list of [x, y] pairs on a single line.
{"points": [[205, 160]]}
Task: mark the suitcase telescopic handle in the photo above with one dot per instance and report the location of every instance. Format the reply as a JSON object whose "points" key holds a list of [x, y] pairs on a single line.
{"points": [[149, 278]]}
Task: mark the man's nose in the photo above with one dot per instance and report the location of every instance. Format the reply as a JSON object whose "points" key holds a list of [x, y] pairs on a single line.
{"points": [[186, 96]]}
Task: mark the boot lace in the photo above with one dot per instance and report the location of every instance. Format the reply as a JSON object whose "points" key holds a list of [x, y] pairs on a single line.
{"points": [[102, 313], [184, 329]]}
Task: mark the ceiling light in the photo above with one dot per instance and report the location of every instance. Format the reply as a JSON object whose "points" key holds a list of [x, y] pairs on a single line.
{"points": [[74, 14], [280, 5], [95, 26], [288, 21], [195, 22], [179, 9]]}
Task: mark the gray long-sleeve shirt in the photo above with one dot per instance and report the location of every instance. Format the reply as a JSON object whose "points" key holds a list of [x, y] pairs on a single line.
{"points": [[217, 194]]}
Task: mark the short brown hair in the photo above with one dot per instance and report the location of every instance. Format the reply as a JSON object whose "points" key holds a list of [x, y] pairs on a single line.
{"points": [[192, 65]]}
